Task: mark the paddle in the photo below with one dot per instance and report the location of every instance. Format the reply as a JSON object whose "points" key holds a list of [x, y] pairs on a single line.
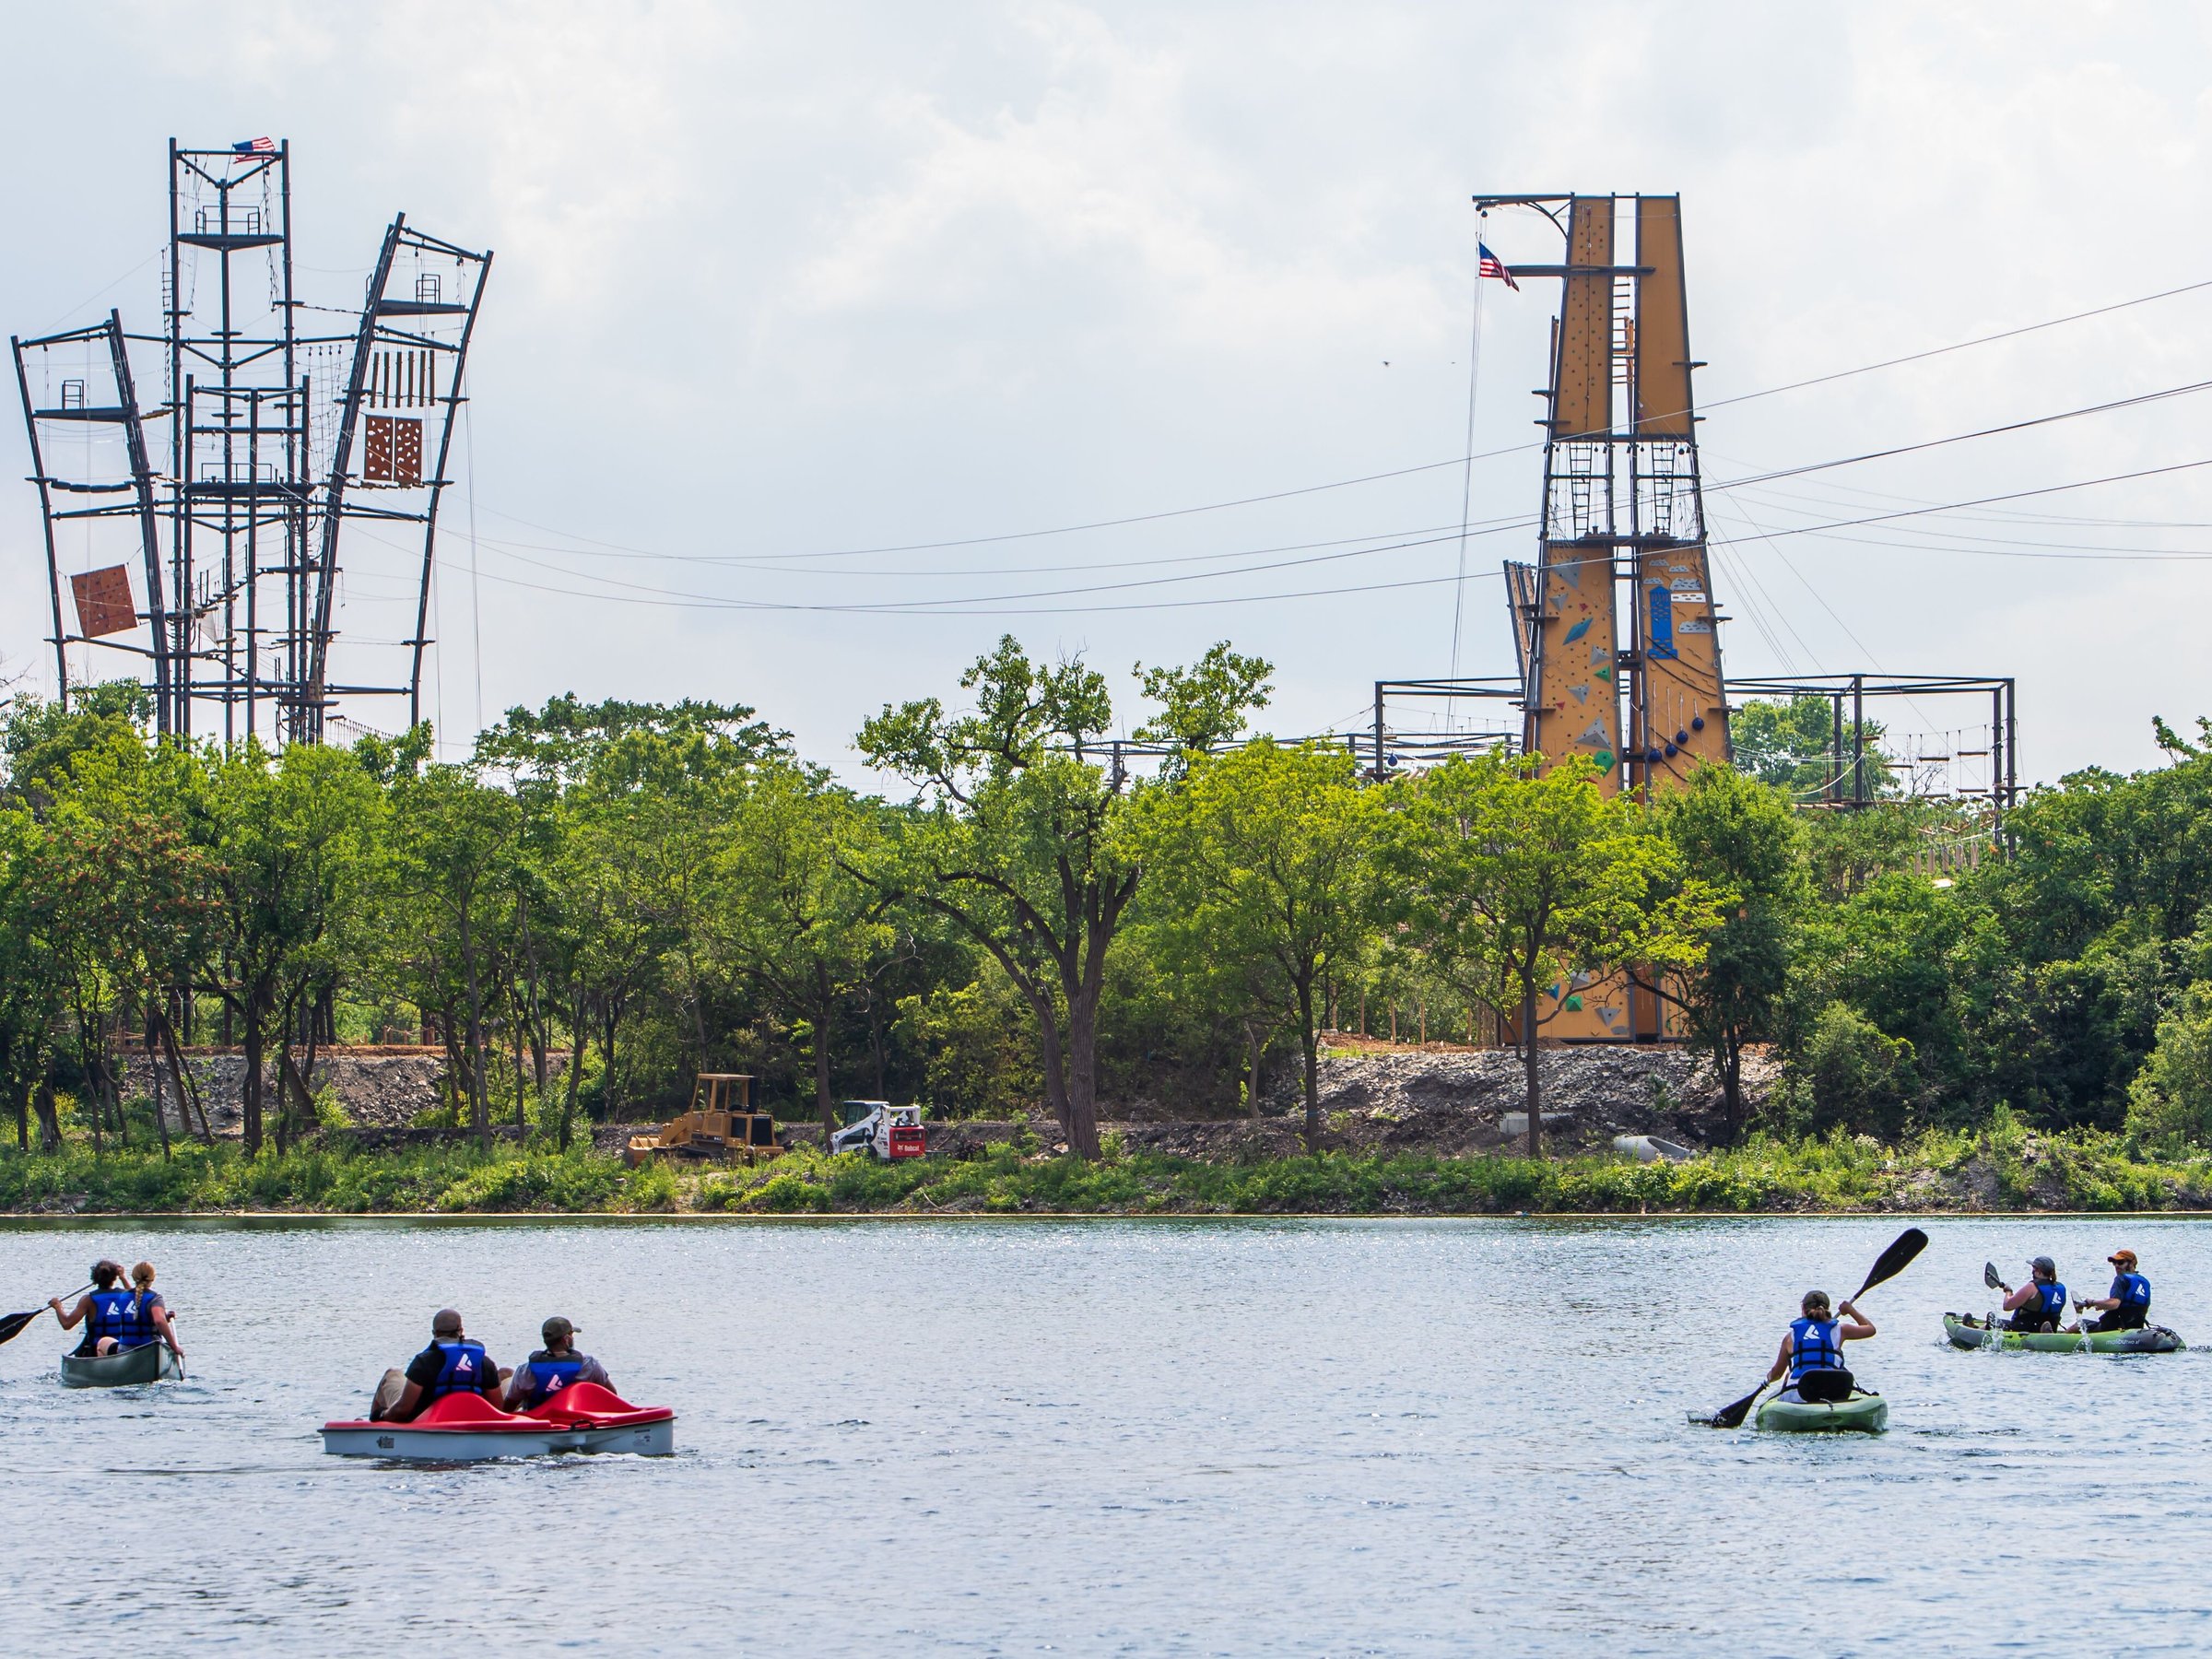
{"points": [[1889, 1265], [1990, 1278], [12, 1326]]}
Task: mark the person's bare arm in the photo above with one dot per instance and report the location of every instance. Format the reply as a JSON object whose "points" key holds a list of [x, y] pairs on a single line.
{"points": [[410, 1402], [75, 1316], [2021, 1298], [1855, 1326], [168, 1330], [2103, 1304], [1781, 1367]]}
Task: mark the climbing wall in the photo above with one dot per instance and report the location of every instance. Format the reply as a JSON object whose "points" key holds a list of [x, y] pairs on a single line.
{"points": [[1574, 703], [1621, 658]]}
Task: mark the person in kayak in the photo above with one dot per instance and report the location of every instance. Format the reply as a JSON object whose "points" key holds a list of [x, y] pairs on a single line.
{"points": [[96, 1308], [1812, 1354], [451, 1364], [2127, 1307], [147, 1308], [111, 1316], [2041, 1303], [553, 1368]]}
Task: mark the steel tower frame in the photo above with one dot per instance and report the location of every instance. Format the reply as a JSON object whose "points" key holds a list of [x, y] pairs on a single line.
{"points": [[238, 540]]}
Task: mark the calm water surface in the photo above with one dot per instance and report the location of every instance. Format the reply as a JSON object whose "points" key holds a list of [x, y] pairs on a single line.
{"points": [[1114, 1436]]}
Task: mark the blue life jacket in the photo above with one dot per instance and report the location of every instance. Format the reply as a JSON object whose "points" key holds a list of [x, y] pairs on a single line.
{"points": [[1814, 1346], [124, 1316], [548, 1377], [464, 1370], [2133, 1290], [2055, 1301]]}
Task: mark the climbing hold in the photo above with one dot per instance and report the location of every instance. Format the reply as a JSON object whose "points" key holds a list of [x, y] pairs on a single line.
{"points": [[1602, 760], [1682, 738], [1574, 1005], [1577, 632], [1698, 724], [1672, 751]]}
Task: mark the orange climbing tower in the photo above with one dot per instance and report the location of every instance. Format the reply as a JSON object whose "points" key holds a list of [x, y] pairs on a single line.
{"points": [[1615, 624]]}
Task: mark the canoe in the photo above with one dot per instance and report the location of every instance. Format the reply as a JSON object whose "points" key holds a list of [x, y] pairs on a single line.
{"points": [[1867, 1413], [2150, 1339], [470, 1428], [148, 1363]]}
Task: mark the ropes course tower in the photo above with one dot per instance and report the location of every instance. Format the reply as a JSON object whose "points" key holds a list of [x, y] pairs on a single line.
{"points": [[222, 504], [1615, 623]]}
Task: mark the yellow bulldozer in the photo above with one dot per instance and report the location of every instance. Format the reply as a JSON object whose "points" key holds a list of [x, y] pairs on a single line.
{"points": [[722, 1123]]}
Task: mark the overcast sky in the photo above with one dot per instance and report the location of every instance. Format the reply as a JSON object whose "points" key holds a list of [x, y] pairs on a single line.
{"points": [[782, 281]]}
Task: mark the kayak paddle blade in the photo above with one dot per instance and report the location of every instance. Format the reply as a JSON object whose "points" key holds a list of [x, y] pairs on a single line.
{"points": [[12, 1326], [1989, 1276], [1894, 1260], [1732, 1416]]}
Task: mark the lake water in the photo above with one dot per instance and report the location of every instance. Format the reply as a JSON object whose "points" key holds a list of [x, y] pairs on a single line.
{"points": [[1245, 1437]]}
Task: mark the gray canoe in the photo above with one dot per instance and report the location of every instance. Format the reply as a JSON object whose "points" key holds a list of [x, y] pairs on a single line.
{"points": [[149, 1362]]}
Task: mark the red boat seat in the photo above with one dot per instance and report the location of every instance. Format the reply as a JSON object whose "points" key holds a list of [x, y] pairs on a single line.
{"points": [[457, 1409]]}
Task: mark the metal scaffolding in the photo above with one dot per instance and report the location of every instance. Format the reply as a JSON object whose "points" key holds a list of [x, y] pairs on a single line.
{"points": [[277, 437]]}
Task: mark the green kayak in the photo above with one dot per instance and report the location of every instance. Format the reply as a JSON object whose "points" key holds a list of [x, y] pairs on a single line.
{"points": [[1867, 1413], [1966, 1332]]}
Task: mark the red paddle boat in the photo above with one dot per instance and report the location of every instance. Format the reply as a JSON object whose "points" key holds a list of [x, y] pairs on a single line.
{"points": [[467, 1427]]}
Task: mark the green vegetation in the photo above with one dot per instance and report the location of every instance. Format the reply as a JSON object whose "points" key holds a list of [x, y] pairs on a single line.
{"points": [[2001, 1168], [645, 891]]}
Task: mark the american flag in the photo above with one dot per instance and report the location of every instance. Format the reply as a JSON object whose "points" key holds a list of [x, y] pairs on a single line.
{"points": [[254, 146], [1494, 266]]}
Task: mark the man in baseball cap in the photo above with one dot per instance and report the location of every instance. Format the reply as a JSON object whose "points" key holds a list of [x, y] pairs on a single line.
{"points": [[451, 1364], [2127, 1308], [2041, 1303], [553, 1368]]}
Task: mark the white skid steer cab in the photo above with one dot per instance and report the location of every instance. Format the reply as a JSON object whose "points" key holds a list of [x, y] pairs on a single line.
{"points": [[879, 1127]]}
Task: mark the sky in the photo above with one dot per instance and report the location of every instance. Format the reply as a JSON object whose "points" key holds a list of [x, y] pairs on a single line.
{"points": [[813, 332]]}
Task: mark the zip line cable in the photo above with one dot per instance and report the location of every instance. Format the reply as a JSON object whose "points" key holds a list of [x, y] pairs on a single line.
{"points": [[1283, 495], [999, 605], [2136, 400]]}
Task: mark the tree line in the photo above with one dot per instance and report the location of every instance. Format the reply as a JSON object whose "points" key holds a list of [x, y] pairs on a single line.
{"points": [[605, 899]]}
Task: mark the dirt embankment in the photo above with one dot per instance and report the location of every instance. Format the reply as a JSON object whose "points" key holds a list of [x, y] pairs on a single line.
{"points": [[381, 1088], [1441, 1102]]}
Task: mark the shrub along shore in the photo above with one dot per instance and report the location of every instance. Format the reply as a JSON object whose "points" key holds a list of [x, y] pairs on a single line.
{"points": [[2000, 1167]]}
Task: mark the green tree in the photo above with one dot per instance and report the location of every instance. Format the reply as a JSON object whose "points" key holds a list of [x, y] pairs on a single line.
{"points": [[292, 843], [797, 917], [1793, 746], [1261, 862], [2169, 1103], [1019, 840], [1513, 878], [1203, 706], [456, 846], [1737, 837]]}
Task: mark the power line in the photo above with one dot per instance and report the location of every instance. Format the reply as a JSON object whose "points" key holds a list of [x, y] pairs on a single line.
{"points": [[1403, 471]]}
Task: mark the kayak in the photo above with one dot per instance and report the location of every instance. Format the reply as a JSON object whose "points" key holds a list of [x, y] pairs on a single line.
{"points": [[469, 1428], [2150, 1339], [148, 1363], [1867, 1413]]}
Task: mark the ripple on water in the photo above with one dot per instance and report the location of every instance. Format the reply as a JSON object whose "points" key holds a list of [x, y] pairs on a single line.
{"points": [[1187, 1437]]}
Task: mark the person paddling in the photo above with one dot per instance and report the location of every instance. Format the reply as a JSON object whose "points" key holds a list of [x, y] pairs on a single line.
{"points": [[2041, 1303], [451, 1364], [107, 1312], [2127, 1307], [148, 1310], [1812, 1354], [553, 1368]]}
